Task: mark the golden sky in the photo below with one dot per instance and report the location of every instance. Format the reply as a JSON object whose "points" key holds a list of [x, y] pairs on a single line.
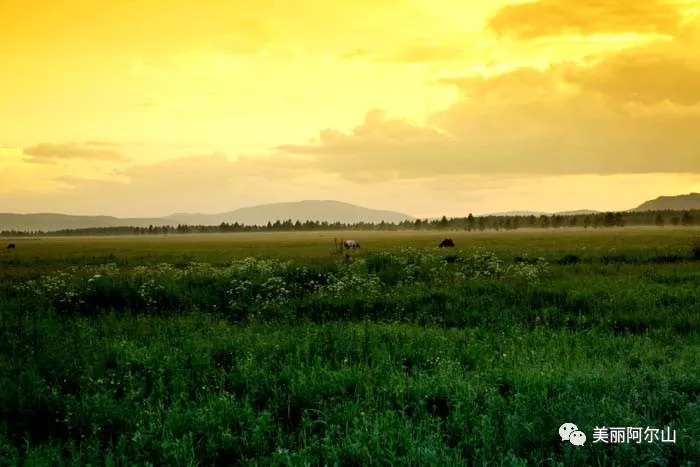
{"points": [[148, 107]]}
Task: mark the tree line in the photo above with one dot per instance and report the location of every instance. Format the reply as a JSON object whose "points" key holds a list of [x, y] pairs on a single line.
{"points": [[686, 218]]}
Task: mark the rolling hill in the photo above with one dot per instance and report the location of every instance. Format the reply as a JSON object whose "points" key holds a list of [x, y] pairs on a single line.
{"points": [[328, 211], [52, 221], [313, 210], [674, 203]]}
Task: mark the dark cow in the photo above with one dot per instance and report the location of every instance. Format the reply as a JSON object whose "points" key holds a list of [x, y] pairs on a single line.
{"points": [[447, 243], [11, 246], [351, 244]]}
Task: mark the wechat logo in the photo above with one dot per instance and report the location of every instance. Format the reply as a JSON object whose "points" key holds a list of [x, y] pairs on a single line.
{"points": [[570, 432]]}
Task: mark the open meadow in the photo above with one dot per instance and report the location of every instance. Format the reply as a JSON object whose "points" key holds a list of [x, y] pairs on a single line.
{"points": [[275, 349]]}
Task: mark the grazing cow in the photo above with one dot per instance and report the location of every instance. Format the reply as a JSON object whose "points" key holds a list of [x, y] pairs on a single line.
{"points": [[447, 243], [11, 246], [351, 244]]}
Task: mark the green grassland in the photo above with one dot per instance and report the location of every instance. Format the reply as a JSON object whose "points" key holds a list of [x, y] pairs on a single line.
{"points": [[273, 349]]}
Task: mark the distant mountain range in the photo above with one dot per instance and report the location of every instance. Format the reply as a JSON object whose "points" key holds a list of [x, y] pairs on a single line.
{"points": [[313, 210], [322, 211], [674, 203]]}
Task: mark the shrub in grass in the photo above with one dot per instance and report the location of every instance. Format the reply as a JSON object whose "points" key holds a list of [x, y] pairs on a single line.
{"points": [[666, 259], [619, 258], [452, 259], [524, 259], [695, 249], [569, 259]]}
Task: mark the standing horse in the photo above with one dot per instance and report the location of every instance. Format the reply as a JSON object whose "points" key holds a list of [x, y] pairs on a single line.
{"points": [[351, 244]]}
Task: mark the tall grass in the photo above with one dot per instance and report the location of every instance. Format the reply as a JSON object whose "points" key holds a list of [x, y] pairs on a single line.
{"points": [[180, 389], [402, 356]]}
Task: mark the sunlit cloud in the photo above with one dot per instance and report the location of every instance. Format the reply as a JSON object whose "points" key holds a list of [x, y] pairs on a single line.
{"points": [[632, 112], [51, 152], [585, 17]]}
